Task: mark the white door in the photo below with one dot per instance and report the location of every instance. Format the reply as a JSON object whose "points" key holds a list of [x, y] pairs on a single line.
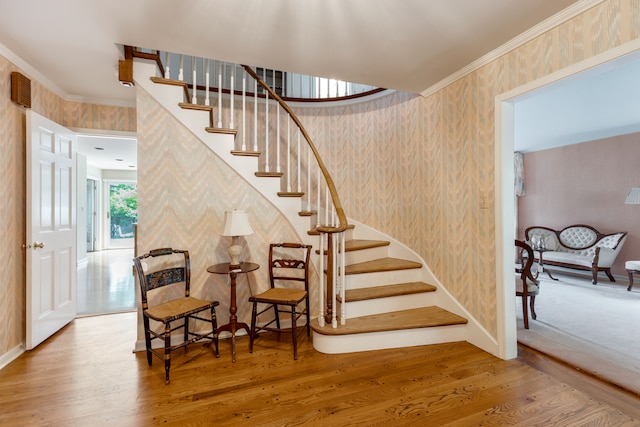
{"points": [[51, 228]]}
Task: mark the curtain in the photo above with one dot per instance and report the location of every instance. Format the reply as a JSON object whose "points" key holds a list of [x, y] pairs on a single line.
{"points": [[518, 162]]}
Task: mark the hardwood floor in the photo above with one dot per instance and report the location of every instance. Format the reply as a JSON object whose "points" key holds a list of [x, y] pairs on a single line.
{"points": [[86, 374], [109, 286]]}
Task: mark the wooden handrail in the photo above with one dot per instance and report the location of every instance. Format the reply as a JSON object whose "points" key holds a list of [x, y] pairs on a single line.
{"points": [[332, 188]]}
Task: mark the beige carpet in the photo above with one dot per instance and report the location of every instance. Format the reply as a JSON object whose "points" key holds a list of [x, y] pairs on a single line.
{"points": [[594, 328]]}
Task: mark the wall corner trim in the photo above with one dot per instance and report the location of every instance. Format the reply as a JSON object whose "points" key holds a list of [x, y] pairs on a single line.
{"points": [[535, 31]]}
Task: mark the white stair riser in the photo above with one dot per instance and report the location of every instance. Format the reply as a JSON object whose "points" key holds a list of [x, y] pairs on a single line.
{"points": [[364, 255], [367, 280], [385, 305], [337, 344]]}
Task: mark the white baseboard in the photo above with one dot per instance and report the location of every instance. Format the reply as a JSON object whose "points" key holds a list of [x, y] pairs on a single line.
{"points": [[11, 355]]}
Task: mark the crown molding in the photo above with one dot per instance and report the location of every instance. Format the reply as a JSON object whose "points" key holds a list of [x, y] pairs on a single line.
{"points": [[30, 71], [535, 31], [34, 74]]}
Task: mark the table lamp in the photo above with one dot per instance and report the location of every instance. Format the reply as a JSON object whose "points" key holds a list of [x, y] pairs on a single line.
{"points": [[236, 224]]}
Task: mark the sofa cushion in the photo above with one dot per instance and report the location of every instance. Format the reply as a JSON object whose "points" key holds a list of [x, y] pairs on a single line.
{"points": [[578, 237], [568, 258], [532, 288]]}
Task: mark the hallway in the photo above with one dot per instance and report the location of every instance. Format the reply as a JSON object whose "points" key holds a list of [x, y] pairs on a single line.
{"points": [[110, 286]]}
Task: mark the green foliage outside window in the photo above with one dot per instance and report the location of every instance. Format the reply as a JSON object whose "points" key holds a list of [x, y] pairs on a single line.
{"points": [[123, 201]]}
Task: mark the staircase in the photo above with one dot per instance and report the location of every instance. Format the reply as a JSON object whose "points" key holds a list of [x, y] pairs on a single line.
{"points": [[391, 299]]}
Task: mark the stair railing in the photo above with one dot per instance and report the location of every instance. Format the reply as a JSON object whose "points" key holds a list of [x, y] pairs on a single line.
{"points": [[206, 78]]}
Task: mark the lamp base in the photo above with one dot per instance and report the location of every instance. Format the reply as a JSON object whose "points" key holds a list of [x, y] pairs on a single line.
{"points": [[234, 254]]}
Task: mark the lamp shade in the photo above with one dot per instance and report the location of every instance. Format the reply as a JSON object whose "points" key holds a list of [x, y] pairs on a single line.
{"points": [[236, 223], [633, 198]]}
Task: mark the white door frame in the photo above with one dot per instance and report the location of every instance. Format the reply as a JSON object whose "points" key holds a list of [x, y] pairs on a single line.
{"points": [[504, 190]]}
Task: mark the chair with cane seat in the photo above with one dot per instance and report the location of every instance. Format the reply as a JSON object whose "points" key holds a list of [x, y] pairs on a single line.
{"points": [[164, 276], [289, 292]]}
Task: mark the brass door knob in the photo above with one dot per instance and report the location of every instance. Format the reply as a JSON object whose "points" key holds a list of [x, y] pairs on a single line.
{"points": [[37, 245]]}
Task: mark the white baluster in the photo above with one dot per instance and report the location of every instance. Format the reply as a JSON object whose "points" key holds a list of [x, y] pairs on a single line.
{"points": [[231, 94], [342, 278], [220, 96], [321, 286], [288, 153], [255, 115], [319, 205], [298, 171], [266, 128], [207, 100], [167, 72], [326, 205], [244, 110], [308, 179], [334, 312], [278, 137], [194, 97], [181, 70]]}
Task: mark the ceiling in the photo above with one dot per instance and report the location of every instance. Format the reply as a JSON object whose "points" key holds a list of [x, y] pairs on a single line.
{"points": [[408, 45], [109, 152], [600, 102], [72, 46]]}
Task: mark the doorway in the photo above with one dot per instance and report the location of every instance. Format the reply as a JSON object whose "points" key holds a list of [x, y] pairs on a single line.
{"points": [[108, 174], [505, 210]]}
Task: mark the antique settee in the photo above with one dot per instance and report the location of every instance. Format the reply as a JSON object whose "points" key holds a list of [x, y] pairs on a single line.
{"points": [[578, 246]]}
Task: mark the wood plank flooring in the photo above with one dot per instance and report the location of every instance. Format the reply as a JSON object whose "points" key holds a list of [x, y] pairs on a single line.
{"points": [[87, 375]]}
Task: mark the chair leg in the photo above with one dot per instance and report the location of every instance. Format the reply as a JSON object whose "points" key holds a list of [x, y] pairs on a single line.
{"points": [[610, 276], [594, 273], [630, 280], [532, 305], [252, 333], [186, 331], [308, 316], [167, 351], [147, 340], [525, 312], [214, 329], [294, 334], [277, 314]]}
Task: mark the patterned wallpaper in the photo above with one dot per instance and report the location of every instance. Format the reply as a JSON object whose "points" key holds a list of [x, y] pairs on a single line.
{"points": [[427, 160], [184, 190], [12, 191]]}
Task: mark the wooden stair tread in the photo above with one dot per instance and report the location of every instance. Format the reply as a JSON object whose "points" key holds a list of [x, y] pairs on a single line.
{"points": [[386, 291], [382, 264], [172, 82], [189, 106], [269, 174], [290, 194], [425, 317], [361, 244], [225, 131], [245, 153]]}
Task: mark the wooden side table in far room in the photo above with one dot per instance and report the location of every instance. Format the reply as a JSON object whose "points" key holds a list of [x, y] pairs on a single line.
{"points": [[233, 325]]}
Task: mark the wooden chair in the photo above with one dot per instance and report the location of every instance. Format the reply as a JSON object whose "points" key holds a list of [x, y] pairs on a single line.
{"points": [[158, 269], [527, 286], [289, 280]]}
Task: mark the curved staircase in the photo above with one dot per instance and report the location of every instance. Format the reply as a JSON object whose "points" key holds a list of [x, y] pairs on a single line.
{"points": [[392, 299]]}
